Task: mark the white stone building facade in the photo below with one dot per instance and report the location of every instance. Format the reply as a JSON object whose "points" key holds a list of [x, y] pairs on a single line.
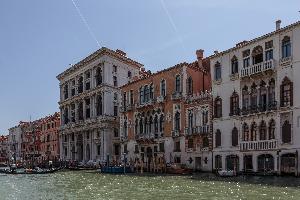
{"points": [[89, 99], [15, 142], [257, 104]]}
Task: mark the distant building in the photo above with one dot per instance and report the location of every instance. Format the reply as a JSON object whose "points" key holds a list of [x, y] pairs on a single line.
{"points": [[257, 105], [15, 141], [154, 124], [89, 99], [49, 137], [4, 149]]}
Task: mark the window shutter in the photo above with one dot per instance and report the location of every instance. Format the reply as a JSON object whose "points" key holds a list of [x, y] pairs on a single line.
{"points": [[292, 91]]}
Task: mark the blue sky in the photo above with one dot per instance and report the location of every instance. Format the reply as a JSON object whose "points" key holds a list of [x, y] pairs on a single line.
{"points": [[39, 39]]}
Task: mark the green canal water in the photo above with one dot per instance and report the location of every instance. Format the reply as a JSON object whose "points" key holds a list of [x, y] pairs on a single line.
{"points": [[90, 185]]}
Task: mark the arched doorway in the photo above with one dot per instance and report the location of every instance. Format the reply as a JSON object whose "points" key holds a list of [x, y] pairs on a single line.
{"points": [[232, 162], [288, 163], [265, 163], [149, 157], [88, 152]]}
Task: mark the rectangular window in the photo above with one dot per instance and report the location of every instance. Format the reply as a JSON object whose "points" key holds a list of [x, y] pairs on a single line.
{"points": [[269, 54], [162, 147], [136, 149], [246, 62], [116, 132], [218, 74], [115, 68], [163, 88], [115, 81], [115, 110], [131, 97]]}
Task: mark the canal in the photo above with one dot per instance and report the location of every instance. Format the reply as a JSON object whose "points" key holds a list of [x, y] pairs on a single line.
{"points": [[90, 185]]}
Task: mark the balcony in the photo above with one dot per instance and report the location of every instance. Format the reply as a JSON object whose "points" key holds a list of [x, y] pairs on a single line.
{"points": [[257, 68], [258, 145], [286, 61], [150, 102], [130, 107], [205, 129], [176, 96], [260, 108]]}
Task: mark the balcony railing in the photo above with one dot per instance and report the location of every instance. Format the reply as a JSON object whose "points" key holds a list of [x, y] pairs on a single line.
{"points": [[197, 130], [258, 145], [285, 61], [150, 102], [253, 109], [257, 68], [176, 95]]}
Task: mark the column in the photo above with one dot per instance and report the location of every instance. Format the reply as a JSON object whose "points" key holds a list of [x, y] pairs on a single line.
{"points": [[84, 145], [223, 161], [254, 162], [76, 111]]}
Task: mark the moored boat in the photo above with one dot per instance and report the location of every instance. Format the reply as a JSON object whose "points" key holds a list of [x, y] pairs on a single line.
{"points": [[115, 169]]}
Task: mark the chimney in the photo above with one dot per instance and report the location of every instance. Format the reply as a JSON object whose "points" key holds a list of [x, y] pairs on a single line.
{"points": [[278, 22], [216, 52], [199, 54]]}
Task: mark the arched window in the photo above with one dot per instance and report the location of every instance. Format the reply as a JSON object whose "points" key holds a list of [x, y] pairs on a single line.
{"points": [[262, 96], [286, 132], [286, 93], [66, 115], [98, 76], [146, 93], [218, 71], [141, 95], [155, 124], [66, 91], [234, 65], [150, 124], [141, 127], [125, 127], [253, 97], [245, 132], [163, 88], [80, 111], [272, 129], [235, 137], [146, 122], [80, 84], [245, 98], [271, 94], [177, 83], [136, 126], [190, 86], [151, 96], [99, 105], [190, 119], [257, 55], [218, 107], [218, 138], [286, 47], [177, 121], [263, 131], [161, 123], [234, 104], [253, 131]]}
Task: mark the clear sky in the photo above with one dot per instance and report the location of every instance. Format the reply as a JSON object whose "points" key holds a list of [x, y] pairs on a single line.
{"points": [[40, 38]]}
